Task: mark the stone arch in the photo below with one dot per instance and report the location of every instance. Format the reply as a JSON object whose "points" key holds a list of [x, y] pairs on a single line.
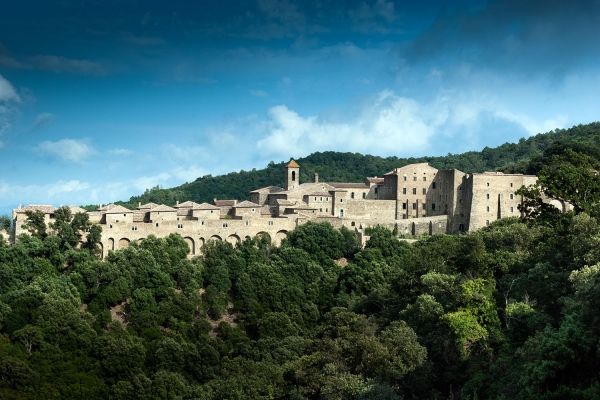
{"points": [[201, 242], [279, 236], [191, 244], [101, 246], [263, 234], [140, 240], [111, 244], [233, 239], [215, 237], [123, 243], [247, 237]]}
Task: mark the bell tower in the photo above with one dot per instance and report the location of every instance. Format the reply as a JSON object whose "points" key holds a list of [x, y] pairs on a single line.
{"points": [[293, 175]]}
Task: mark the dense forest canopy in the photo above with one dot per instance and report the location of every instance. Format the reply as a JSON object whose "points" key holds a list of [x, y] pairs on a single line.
{"points": [[522, 157], [506, 312]]}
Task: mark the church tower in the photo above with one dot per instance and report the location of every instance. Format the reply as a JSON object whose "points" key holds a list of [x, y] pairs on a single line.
{"points": [[293, 175]]}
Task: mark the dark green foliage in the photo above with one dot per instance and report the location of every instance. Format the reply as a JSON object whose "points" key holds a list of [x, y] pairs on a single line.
{"points": [[508, 311]]}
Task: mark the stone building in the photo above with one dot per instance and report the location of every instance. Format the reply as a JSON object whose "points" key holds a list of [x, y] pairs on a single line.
{"points": [[416, 198]]}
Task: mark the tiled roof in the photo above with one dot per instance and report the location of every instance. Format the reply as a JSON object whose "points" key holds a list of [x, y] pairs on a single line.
{"points": [[270, 189], [187, 204], [163, 208], [205, 206], [76, 209], [225, 203], [265, 210], [338, 190], [320, 194], [283, 202], [107, 207], [303, 206], [148, 206], [292, 164], [246, 204], [375, 180], [46, 209], [348, 185], [118, 210]]}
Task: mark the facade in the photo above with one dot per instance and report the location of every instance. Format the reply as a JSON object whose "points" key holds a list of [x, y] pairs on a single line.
{"points": [[416, 198]]}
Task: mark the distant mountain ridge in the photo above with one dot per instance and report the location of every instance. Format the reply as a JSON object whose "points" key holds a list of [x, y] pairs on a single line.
{"points": [[354, 167]]}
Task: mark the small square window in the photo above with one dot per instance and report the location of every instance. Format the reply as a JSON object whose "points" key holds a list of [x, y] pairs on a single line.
{"points": [[433, 185], [511, 185], [179, 226], [512, 209], [424, 179], [414, 178], [487, 222], [225, 225], [124, 215], [270, 222], [404, 177], [414, 190], [364, 195], [403, 190], [511, 196], [110, 226], [404, 206], [157, 224], [424, 191], [488, 184], [253, 210]]}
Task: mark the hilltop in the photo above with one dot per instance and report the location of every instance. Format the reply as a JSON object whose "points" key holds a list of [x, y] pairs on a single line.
{"points": [[521, 157]]}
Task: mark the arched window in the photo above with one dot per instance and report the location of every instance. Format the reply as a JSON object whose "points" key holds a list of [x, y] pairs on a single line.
{"points": [[294, 176]]}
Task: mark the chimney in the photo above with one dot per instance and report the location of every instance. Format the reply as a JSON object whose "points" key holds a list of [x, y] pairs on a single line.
{"points": [[139, 204], [316, 177], [100, 205], [20, 206], [177, 203]]}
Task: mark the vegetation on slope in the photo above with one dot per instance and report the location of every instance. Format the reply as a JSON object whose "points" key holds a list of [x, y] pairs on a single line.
{"points": [[508, 311], [354, 167]]}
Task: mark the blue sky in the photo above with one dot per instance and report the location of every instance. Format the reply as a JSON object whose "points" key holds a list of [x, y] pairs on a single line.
{"points": [[100, 100]]}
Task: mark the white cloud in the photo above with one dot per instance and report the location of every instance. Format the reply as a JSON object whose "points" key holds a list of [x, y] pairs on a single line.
{"points": [[387, 124], [120, 152], [67, 149], [259, 93], [43, 120], [61, 64], [7, 91]]}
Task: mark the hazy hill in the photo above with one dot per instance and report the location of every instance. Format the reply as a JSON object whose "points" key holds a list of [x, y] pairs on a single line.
{"points": [[354, 167]]}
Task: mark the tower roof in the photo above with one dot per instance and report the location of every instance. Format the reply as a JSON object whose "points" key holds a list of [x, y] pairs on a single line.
{"points": [[292, 164]]}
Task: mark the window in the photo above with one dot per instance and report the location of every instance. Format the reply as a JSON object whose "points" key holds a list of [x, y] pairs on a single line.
{"points": [[460, 200], [511, 196], [487, 196], [446, 197], [124, 215], [211, 211], [404, 206], [117, 221], [270, 222], [487, 209], [177, 218], [487, 222], [433, 206], [404, 177], [375, 190], [512, 209], [511, 185], [225, 225], [320, 210], [247, 222], [352, 195], [315, 199], [134, 228], [440, 197], [424, 191], [253, 210], [414, 190], [352, 223], [414, 206], [341, 213], [414, 178], [433, 185], [321, 199], [403, 190], [202, 222], [488, 184], [157, 224], [327, 210], [327, 198], [424, 179], [341, 200], [179, 226], [461, 227], [293, 176], [364, 195], [111, 225], [460, 188]]}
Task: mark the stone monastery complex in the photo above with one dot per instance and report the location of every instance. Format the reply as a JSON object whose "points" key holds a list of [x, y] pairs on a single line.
{"points": [[416, 198]]}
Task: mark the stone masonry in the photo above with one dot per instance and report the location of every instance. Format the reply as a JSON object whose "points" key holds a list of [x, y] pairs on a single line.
{"points": [[415, 199]]}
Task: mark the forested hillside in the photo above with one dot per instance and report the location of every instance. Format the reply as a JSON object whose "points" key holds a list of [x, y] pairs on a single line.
{"points": [[354, 167], [507, 312]]}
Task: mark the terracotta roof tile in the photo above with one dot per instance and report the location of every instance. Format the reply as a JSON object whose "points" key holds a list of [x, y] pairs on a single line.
{"points": [[270, 189], [163, 208], [349, 185], [118, 210], [246, 204], [45, 208], [187, 204], [148, 206], [292, 164], [205, 206], [225, 203], [77, 209]]}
